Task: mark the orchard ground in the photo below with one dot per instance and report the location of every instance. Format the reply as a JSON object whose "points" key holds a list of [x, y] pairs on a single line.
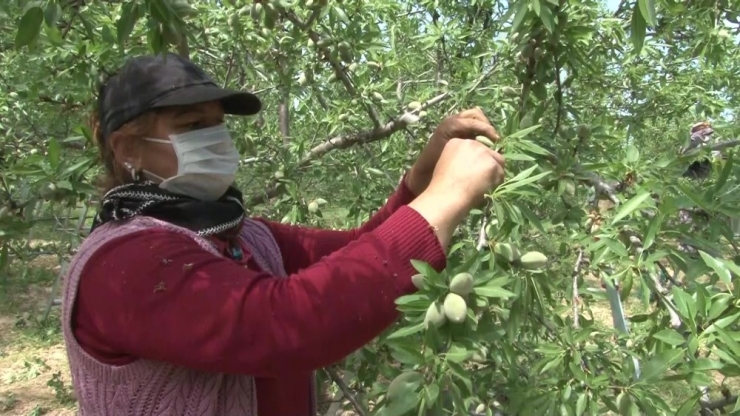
{"points": [[34, 374]]}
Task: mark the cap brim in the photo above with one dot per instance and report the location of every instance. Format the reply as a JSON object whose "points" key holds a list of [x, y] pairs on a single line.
{"points": [[234, 102]]}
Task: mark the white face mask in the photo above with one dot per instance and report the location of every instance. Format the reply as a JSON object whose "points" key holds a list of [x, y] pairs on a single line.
{"points": [[207, 161]]}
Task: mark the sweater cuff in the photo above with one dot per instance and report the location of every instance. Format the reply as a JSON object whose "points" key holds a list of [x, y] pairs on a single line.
{"points": [[411, 237]]}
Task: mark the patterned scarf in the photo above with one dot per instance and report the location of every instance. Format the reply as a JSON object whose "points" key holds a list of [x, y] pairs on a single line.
{"points": [[207, 218]]}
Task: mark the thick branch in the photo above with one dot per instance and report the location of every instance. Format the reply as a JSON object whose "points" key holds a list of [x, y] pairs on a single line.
{"points": [[345, 141], [716, 147]]}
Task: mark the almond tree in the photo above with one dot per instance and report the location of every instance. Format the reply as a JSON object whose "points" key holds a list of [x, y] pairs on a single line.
{"points": [[594, 105]]}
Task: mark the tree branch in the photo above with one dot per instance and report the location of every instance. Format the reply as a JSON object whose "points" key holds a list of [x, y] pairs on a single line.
{"points": [[576, 299], [347, 392], [345, 141], [336, 66]]}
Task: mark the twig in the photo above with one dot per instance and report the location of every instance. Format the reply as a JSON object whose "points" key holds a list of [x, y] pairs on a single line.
{"points": [[667, 300], [336, 404], [482, 240], [347, 392], [671, 279], [576, 297]]}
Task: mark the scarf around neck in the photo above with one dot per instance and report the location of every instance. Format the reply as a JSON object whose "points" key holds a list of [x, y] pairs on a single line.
{"points": [[206, 218]]}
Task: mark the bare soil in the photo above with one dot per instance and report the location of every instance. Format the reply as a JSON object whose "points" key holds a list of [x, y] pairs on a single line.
{"points": [[31, 353]]}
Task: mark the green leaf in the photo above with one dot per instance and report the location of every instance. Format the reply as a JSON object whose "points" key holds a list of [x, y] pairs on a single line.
{"points": [[3, 258], [639, 29], [521, 179], [52, 13], [652, 231], [719, 304], [725, 174], [159, 10], [424, 268], [684, 303], [633, 154], [670, 336], [431, 392], [340, 14], [653, 370], [493, 292], [717, 266], [581, 404], [524, 132], [460, 374], [548, 20], [53, 153], [689, 406], [529, 146], [631, 206], [705, 364], [694, 197], [403, 405], [552, 363], [29, 27], [127, 21], [458, 354], [406, 354], [521, 12], [624, 401], [647, 10], [414, 297], [519, 156], [65, 185], [406, 331], [536, 6], [731, 266], [729, 341]]}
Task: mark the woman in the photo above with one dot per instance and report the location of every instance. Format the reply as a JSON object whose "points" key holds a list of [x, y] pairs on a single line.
{"points": [[176, 304]]}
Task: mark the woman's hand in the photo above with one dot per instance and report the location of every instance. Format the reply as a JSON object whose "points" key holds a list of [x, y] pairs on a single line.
{"points": [[465, 125], [465, 173]]}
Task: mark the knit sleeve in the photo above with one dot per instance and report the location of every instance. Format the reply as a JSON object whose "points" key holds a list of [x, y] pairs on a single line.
{"points": [[308, 245], [158, 295]]}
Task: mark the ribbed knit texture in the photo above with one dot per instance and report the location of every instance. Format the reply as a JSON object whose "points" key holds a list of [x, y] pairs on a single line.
{"points": [[149, 388]]}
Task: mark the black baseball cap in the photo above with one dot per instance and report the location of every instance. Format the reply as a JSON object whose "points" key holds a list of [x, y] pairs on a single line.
{"points": [[155, 81]]}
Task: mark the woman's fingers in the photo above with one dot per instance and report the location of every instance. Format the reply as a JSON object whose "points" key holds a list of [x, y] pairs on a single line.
{"points": [[471, 127], [475, 113]]}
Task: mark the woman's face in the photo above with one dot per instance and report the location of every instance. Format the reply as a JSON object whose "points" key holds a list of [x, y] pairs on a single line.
{"points": [[160, 158]]}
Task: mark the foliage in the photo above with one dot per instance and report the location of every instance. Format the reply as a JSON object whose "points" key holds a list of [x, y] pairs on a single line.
{"points": [[593, 105]]}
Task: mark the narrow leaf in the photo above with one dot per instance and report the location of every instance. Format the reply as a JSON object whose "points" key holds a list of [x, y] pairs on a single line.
{"points": [[647, 9], [29, 27], [639, 29], [631, 206], [717, 266], [53, 153], [670, 336]]}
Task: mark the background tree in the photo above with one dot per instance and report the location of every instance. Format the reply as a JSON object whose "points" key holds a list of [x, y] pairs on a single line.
{"points": [[594, 104]]}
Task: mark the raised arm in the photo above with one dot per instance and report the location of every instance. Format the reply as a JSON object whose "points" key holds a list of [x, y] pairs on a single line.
{"points": [[307, 245], [206, 312]]}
